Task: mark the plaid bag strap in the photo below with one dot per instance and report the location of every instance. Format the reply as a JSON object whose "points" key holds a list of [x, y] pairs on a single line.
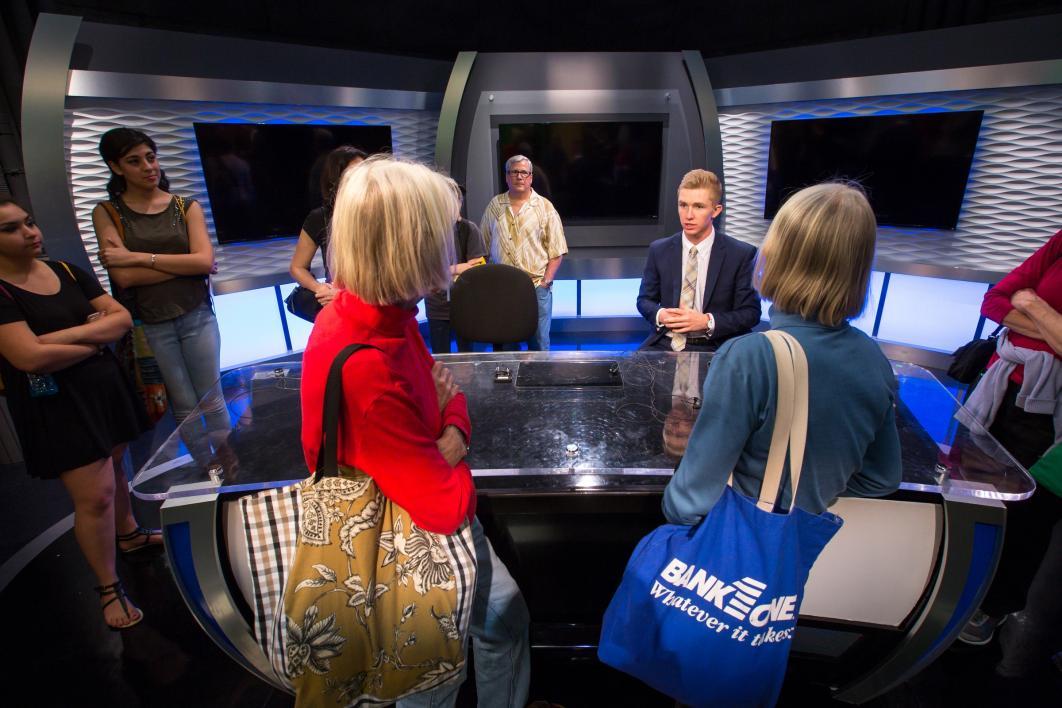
{"points": [[271, 529], [328, 453]]}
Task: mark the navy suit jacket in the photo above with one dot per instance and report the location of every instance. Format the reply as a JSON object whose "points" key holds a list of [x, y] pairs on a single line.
{"points": [[728, 292]]}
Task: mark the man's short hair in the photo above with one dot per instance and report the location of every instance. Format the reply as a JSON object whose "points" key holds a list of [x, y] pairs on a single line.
{"points": [[703, 179], [816, 259], [519, 158], [392, 231]]}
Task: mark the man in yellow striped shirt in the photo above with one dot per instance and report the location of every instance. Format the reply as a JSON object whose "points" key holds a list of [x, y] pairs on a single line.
{"points": [[523, 229]]}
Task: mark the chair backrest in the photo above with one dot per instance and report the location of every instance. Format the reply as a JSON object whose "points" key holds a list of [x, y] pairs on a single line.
{"points": [[494, 303]]}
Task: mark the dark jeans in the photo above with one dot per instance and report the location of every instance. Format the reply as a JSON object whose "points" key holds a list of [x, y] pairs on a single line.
{"points": [[440, 331], [1026, 436]]}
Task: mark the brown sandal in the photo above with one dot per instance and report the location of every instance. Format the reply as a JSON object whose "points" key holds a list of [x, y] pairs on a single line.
{"points": [[141, 533], [120, 597]]}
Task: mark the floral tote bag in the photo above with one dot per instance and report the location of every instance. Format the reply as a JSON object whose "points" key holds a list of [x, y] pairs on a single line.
{"points": [[374, 608]]}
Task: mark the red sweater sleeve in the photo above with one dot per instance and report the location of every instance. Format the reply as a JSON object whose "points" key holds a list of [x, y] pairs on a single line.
{"points": [[996, 304], [399, 452], [456, 411]]}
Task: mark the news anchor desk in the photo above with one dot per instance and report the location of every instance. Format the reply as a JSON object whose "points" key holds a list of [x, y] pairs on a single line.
{"points": [[570, 452]]}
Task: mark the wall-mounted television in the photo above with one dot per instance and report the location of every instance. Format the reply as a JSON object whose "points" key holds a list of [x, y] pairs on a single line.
{"points": [[592, 171], [914, 167], [264, 178]]}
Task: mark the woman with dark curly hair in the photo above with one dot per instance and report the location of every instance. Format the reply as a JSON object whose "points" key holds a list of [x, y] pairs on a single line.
{"points": [[156, 248]]}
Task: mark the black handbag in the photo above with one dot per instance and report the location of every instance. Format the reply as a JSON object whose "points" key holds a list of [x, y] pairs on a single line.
{"points": [[971, 358], [301, 302]]}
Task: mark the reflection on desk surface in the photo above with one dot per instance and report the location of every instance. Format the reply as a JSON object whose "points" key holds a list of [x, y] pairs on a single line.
{"points": [[565, 434]]}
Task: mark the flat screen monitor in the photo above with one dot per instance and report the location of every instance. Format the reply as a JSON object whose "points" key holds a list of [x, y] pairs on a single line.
{"points": [[264, 179], [592, 171], [914, 167]]}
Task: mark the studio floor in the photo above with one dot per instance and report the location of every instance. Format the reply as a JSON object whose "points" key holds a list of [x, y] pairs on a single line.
{"points": [[60, 653]]}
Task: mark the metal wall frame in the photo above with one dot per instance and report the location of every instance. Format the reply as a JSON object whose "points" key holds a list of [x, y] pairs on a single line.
{"points": [[43, 145], [107, 84], [1032, 73]]}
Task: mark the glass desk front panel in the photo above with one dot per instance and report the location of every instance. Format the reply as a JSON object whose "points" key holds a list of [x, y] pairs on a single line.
{"points": [[583, 433]]}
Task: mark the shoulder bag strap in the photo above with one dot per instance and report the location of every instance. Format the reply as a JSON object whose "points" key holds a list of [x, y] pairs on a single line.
{"points": [[799, 435], [783, 423], [68, 271], [791, 418], [328, 454], [112, 211]]}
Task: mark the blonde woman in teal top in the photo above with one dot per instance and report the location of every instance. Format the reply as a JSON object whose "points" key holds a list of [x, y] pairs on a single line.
{"points": [[814, 266]]}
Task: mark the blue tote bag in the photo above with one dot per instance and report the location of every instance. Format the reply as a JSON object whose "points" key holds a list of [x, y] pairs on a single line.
{"points": [[706, 614]]}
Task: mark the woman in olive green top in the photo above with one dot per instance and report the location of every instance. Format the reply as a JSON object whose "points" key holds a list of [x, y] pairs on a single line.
{"points": [[155, 246]]}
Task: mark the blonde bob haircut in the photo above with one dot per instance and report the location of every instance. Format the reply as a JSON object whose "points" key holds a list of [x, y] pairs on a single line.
{"points": [[703, 179], [816, 259], [392, 238]]}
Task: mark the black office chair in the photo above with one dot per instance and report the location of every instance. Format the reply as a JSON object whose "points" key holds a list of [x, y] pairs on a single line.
{"points": [[494, 303]]}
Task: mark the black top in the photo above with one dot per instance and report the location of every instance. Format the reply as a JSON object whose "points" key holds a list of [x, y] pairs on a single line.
{"points": [[67, 308], [88, 408], [468, 242], [316, 227], [164, 232]]}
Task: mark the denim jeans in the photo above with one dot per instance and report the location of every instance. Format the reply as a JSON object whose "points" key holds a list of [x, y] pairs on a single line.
{"points": [[500, 640], [545, 319], [188, 352]]}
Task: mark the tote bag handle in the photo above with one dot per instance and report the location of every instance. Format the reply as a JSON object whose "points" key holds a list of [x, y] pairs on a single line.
{"points": [[328, 453], [791, 419]]}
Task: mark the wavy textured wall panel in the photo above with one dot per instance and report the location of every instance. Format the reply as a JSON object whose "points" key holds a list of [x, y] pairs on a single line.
{"points": [[170, 125], [1013, 200]]}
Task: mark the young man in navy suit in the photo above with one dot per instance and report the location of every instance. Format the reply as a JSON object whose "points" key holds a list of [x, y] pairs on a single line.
{"points": [[697, 287]]}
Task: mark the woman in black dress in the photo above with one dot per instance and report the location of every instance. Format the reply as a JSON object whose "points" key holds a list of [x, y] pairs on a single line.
{"points": [[73, 408]]}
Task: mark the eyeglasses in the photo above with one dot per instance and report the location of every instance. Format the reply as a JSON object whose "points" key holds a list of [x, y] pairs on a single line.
{"points": [[520, 173]]}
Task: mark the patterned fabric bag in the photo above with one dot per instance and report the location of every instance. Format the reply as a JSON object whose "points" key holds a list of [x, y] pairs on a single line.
{"points": [[374, 608], [136, 357], [270, 524]]}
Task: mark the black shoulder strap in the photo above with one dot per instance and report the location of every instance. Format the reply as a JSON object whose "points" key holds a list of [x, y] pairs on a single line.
{"points": [[328, 454]]}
